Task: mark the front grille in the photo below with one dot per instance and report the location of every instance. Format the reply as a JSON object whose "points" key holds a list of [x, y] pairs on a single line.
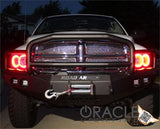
{"points": [[54, 52], [76, 56], [107, 52], [74, 51]]}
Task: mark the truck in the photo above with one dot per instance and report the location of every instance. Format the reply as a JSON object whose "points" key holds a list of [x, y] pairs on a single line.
{"points": [[75, 60]]}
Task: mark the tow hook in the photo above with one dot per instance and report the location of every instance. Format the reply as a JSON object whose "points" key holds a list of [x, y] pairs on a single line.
{"points": [[49, 94], [72, 89]]}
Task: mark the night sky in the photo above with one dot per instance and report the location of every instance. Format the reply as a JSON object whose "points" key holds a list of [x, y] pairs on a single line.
{"points": [[28, 6]]}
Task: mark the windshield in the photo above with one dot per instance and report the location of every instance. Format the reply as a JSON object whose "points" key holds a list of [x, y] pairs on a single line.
{"points": [[79, 23]]}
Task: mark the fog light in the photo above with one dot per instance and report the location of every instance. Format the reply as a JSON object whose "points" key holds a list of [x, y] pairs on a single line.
{"points": [[136, 82], [24, 83], [145, 80], [14, 81]]}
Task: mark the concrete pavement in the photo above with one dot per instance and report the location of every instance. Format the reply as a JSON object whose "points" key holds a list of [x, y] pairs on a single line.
{"points": [[68, 118]]}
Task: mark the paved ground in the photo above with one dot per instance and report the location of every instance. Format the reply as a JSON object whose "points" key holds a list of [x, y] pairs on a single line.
{"points": [[67, 119]]}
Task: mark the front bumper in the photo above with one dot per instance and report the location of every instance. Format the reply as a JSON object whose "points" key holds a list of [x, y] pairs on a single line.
{"points": [[107, 88]]}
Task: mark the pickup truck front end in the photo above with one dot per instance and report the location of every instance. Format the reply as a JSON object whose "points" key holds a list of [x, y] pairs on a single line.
{"points": [[79, 68]]}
